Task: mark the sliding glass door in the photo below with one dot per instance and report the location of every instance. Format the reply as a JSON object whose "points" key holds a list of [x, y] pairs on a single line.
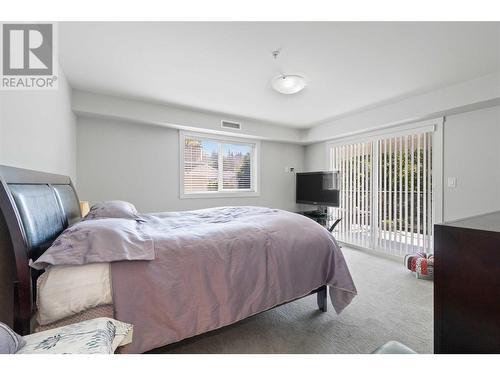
{"points": [[386, 193]]}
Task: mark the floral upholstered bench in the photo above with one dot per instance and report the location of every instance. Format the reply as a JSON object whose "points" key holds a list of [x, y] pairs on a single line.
{"points": [[420, 263], [95, 336]]}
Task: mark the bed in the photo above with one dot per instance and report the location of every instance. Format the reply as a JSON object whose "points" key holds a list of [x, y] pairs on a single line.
{"points": [[172, 275]]}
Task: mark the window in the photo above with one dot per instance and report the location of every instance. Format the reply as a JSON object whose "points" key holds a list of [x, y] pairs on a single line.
{"points": [[213, 166], [387, 191]]}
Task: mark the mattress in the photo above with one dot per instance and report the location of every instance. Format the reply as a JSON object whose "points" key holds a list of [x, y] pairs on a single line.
{"points": [[102, 311]]}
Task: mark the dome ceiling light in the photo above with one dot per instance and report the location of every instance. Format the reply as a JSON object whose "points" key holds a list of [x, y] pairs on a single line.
{"points": [[287, 83]]}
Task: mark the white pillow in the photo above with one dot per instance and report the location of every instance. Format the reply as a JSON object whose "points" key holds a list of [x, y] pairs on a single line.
{"points": [[63, 291], [95, 336]]}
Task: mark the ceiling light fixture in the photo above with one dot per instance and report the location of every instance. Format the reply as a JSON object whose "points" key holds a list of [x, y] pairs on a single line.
{"points": [[287, 83]]}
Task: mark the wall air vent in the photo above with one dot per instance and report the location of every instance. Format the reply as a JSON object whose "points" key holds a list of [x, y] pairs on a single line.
{"points": [[230, 125]]}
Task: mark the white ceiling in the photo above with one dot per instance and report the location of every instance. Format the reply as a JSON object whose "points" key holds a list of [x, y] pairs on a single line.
{"points": [[226, 67]]}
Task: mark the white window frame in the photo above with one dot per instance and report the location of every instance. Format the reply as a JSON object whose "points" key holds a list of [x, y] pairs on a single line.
{"points": [[435, 126], [254, 191]]}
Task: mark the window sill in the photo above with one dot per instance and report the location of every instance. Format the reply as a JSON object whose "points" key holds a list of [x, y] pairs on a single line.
{"points": [[231, 194]]}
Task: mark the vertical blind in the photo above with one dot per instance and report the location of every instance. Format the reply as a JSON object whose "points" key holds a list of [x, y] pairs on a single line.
{"points": [[386, 193], [354, 162], [215, 166]]}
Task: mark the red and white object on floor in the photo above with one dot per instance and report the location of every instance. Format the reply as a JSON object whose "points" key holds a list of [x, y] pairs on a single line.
{"points": [[420, 263]]}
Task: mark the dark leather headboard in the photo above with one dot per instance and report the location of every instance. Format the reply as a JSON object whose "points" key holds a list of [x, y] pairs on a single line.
{"points": [[37, 207], [69, 203], [41, 215]]}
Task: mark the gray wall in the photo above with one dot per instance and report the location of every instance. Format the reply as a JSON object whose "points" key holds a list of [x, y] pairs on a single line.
{"points": [[38, 129], [315, 157], [471, 154], [140, 164]]}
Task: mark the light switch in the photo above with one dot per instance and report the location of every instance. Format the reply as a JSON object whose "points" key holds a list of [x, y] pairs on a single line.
{"points": [[452, 182]]}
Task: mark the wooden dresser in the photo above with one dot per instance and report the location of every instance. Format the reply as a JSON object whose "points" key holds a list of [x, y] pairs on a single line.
{"points": [[467, 285]]}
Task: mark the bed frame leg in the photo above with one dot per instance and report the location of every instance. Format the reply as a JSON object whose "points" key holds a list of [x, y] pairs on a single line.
{"points": [[322, 298]]}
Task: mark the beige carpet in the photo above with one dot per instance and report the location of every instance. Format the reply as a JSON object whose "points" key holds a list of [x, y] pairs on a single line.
{"points": [[391, 305]]}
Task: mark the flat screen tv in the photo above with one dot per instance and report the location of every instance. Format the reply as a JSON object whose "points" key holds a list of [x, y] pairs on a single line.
{"points": [[319, 188]]}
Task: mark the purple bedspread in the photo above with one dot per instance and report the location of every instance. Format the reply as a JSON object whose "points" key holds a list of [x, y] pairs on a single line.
{"points": [[214, 267]]}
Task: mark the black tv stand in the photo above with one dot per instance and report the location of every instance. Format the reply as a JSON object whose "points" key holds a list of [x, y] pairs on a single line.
{"points": [[315, 214], [322, 217]]}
